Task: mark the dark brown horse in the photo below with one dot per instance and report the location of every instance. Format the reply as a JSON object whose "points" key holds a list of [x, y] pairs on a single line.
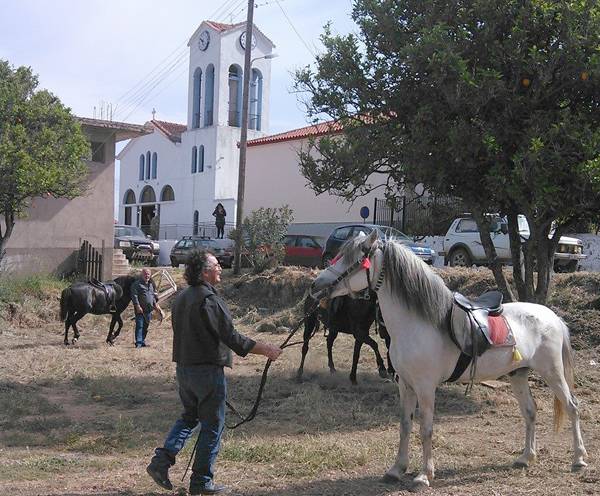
{"points": [[82, 298], [347, 315]]}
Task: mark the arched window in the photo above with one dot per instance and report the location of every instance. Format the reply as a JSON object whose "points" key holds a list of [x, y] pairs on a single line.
{"points": [[148, 165], [195, 231], [154, 165], [235, 95], [148, 195], [197, 88], [194, 159], [128, 199], [209, 95], [141, 176], [167, 194], [256, 88], [201, 158]]}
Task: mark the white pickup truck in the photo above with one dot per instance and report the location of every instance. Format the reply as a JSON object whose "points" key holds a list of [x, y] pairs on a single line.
{"points": [[463, 248]]}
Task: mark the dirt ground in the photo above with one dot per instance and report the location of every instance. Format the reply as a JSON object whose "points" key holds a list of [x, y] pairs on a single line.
{"points": [[84, 419]]}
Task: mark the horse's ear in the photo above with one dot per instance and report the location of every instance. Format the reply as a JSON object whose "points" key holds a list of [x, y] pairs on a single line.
{"points": [[374, 236]]}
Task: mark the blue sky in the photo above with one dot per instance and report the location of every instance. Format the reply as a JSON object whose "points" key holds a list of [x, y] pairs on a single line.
{"points": [[93, 51]]}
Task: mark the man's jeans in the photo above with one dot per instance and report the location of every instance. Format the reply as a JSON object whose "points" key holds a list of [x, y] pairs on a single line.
{"points": [[142, 321], [203, 390]]}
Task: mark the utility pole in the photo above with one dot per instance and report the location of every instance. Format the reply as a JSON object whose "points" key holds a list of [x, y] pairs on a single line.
{"points": [[239, 242]]}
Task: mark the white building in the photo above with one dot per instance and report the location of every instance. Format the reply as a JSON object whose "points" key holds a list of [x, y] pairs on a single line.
{"points": [[181, 172]]}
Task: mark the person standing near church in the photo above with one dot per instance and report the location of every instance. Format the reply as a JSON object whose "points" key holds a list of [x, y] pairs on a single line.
{"points": [[220, 214]]}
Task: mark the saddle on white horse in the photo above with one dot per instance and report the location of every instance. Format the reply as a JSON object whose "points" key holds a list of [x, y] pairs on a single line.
{"points": [[476, 325]]}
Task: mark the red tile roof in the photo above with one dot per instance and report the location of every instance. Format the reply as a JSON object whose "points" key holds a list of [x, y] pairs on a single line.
{"points": [[321, 129], [171, 129], [219, 26]]}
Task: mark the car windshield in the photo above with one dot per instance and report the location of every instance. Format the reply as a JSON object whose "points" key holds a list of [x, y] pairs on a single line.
{"points": [[390, 232], [129, 231]]}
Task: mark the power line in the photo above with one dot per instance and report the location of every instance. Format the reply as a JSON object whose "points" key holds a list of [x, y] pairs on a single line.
{"points": [[294, 28], [137, 94]]}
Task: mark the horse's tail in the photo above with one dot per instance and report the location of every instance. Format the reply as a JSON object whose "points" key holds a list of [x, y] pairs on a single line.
{"points": [[64, 298], [569, 372]]}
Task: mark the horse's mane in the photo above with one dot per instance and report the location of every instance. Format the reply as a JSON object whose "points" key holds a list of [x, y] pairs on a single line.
{"points": [[410, 280]]}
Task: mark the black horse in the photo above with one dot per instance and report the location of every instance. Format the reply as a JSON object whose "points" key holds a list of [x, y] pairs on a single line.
{"points": [[84, 297], [351, 316]]}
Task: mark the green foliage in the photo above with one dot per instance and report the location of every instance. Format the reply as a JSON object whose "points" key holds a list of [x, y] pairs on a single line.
{"points": [[495, 101], [41, 146], [263, 232], [16, 289]]}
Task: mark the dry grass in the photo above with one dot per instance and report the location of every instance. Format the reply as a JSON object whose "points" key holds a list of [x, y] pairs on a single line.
{"points": [[83, 420]]}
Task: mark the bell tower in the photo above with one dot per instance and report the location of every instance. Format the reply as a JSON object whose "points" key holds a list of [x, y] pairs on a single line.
{"points": [[209, 146]]}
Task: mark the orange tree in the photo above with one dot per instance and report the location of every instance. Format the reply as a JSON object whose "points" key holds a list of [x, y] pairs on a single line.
{"points": [[41, 147], [494, 101]]}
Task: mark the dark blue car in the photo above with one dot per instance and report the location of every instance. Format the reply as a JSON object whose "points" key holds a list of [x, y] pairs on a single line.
{"points": [[343, 233]]}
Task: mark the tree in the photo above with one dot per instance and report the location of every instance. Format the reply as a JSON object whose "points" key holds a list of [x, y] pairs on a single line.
{"points": [[263, 232], [41, 147], [494, 101]]}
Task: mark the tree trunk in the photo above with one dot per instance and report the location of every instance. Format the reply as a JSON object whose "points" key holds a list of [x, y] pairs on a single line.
{"points": [[546, 249], [9, 220], [517, 255], [483, 223]]}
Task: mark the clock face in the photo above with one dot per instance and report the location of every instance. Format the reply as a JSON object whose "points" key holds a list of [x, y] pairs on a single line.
{"points": [[243, 41], [203, 40]]}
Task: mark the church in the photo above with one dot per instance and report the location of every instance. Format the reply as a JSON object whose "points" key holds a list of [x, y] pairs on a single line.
{"points": [[172, 179]]}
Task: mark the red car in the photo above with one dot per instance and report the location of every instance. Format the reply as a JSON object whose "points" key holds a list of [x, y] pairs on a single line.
{"points": [[301, 249]]}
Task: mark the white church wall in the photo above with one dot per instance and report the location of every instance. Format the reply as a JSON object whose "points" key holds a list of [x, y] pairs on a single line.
{"points": [[168, 154], [273, 179]]}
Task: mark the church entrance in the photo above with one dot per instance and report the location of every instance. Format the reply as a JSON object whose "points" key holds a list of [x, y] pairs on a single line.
{"points": [[146, 218]]}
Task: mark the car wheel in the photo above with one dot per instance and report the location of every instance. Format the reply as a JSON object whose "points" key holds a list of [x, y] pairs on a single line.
{"points": [[570, 266], [460, 258], [174, 263]]}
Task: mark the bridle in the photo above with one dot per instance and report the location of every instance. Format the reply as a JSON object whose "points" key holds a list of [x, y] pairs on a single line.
{"points": [[363, 263]]}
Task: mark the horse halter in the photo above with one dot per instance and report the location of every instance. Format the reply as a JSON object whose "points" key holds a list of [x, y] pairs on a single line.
{"points": [[362, 263]]}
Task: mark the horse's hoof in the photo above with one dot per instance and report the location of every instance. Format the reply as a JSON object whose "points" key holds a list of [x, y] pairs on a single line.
{"points": [[353, 381], [332, 371], [66, 343], [390, 479], [383, 373], [74, 341], [420, 483], [110, 343], [578, 466]]}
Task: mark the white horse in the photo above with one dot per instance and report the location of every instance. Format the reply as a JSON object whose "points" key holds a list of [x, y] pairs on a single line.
{"points": [[415, 305]]}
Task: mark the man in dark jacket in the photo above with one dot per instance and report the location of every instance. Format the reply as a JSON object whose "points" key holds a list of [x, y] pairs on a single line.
{"points": [[145, 299], [203, 338]]}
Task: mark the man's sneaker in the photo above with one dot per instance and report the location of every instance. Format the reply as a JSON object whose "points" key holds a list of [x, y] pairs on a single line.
{"points": [[209, 488], [160, 476]]}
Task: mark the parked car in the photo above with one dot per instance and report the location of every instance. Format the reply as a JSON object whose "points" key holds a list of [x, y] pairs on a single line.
{"points": [[221, 248], [136, 245], [343, 233], [463, 248], [301, 249]]}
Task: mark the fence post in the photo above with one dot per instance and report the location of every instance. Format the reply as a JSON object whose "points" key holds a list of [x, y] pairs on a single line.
{"points": [[375, 211]]}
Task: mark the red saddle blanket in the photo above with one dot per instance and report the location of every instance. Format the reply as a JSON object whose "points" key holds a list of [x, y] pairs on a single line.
{"points": [[500, 332]]}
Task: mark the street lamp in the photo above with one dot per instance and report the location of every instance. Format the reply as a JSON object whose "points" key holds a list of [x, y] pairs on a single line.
{"points": [[243, 146]]}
